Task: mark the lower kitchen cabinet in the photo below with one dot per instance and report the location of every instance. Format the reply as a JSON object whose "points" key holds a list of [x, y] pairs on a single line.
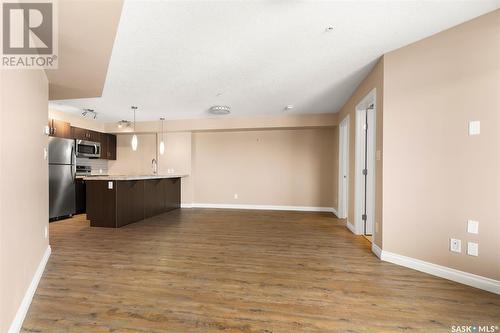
{"points": [[80, 196], [115, 203]]}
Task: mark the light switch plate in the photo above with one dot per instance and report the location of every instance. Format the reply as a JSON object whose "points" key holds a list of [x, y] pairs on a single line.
{"points": [[472, 249], [472, 227], [474, 127], [46, 130], [455, 245]]}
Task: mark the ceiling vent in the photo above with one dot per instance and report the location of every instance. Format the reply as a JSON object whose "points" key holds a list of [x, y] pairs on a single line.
{"points": [[220, 109]]}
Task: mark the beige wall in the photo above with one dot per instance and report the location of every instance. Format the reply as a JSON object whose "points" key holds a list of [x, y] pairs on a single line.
{"points": [[435, 175], [129, 162], [177, 159], [23, 184], [271, 167], [374, 80], [83, 54], [290, 167]]}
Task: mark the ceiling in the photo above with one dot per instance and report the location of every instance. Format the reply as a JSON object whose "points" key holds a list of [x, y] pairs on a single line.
{"points": [[84, 49], [175, 59]]}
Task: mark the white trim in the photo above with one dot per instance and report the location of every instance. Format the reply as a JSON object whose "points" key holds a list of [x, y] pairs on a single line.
{"points": [[443, 272], [351, 227], [17, 323], [376, 250], [261, 207]]}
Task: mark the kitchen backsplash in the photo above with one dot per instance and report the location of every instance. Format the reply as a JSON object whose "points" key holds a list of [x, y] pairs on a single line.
{"points": [[98, 166]]}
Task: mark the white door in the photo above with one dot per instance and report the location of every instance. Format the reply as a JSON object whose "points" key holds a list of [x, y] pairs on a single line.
{"points": [[364, 176], [343, 167]]}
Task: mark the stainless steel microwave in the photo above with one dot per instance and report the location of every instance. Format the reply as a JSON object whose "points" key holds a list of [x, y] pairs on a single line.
{"points": [[88, 149]]}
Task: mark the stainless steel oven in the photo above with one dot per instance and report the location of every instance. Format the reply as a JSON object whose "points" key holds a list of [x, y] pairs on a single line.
{"points": [[88, 149]]}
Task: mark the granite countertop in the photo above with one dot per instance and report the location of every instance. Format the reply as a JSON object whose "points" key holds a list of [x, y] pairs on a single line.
{"points": [[132, 177]]}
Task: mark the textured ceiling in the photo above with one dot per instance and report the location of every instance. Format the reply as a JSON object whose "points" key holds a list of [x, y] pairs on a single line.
{"points": [[175, 59]]}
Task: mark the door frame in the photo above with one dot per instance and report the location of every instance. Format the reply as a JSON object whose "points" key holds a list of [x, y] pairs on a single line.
{"points": [[361, 107], [343, 195]]}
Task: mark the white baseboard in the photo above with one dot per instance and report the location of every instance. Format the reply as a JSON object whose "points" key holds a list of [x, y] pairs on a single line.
{"points": [[351, 227], [261, 207], [17, 323], [376, 250], [443, 271]]}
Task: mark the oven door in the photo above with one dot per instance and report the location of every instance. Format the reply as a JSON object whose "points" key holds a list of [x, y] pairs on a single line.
{"points": [[88, 149]]}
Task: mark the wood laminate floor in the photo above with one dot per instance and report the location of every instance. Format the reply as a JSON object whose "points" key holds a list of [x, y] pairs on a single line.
{"points": [[196, 270]]}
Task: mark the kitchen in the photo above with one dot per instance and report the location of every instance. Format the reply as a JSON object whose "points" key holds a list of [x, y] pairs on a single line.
{"points": [[79, 182]]}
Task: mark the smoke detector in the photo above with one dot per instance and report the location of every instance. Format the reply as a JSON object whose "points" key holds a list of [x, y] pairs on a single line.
{"points": [[220, 109]]}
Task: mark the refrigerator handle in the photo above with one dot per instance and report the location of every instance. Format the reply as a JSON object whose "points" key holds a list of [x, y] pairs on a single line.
{"points": [[73, 154], [73, 172]]}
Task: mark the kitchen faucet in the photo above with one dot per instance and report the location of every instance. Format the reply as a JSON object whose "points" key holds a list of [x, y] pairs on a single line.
{"points": [[154, 165]]}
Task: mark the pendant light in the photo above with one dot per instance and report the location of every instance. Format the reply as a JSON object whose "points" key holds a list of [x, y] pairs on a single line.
{"points": [[162, 142], [135, 141]]}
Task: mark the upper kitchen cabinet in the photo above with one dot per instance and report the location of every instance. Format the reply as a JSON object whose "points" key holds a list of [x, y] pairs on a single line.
{"points": [[111, 146], [85, 134], [108, 146], [59, 128]]}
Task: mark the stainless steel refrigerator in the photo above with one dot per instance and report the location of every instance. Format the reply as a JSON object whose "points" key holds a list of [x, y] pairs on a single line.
{"points": [[62, 171]]}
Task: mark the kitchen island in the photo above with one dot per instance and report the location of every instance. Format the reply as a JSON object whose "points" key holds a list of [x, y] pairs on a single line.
{"points": [[115, 201]]}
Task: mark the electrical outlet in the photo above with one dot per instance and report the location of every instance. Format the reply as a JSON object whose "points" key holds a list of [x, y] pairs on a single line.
{"points": [[455, 245], [46, 130], [472, 249], [110, 185], [236, 195], [472, 227], [474, 127]]}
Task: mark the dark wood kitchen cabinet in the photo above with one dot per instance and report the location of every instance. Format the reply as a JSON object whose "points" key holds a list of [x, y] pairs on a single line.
{"points": [[85, 134], [59, 128], [130, 199], [80, 196], [111, 147], [172, 197], [108, 146], [154, 197], [114, 203]]}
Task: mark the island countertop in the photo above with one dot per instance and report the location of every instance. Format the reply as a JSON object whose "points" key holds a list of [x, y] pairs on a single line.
{"points": [[132, 177]]}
